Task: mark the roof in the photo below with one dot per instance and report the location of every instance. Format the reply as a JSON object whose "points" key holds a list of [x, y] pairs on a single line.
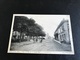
{"points": [[61, 23]]}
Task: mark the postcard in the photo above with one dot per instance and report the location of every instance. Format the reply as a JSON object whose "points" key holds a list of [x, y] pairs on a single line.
{"points": [[41, 34]]}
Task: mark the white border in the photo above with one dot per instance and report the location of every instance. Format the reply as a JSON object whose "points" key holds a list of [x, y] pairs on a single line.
{"points": [[42, 52]]}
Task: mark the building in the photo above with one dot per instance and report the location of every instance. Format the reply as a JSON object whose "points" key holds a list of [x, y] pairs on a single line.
{"points": [[17, 36], [62, 32]]}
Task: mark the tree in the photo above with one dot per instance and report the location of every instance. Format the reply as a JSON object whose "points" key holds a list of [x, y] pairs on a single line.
{"points": [[28, 26], [22, 24]]}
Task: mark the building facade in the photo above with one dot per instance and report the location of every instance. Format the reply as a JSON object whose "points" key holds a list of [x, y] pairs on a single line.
{"points": [[62, 32]]}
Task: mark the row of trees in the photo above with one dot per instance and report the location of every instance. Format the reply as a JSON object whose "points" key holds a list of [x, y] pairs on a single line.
{"points": [[28, 26]]}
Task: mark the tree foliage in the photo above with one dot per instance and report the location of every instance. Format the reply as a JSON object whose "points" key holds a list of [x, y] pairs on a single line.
{"points": [[23, 24]]}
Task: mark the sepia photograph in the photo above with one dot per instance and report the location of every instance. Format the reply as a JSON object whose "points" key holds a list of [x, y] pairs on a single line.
{"points": [[41, 34]]}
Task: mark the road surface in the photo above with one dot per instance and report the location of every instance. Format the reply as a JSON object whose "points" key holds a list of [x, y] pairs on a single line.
{"points": [[46, 45]]}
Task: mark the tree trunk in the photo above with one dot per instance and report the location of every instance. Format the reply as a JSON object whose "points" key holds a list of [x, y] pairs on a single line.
{"points": [[20, 37]]}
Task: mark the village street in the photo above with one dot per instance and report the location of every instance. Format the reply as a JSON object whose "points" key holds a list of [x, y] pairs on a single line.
{"points": [[46, 45]]}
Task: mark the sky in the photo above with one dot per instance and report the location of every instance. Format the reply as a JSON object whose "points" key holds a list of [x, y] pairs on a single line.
{"points": [[49, 22]]}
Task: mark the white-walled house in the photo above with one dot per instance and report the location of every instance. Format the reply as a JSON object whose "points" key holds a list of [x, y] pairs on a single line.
{"points": [[62, 32]]}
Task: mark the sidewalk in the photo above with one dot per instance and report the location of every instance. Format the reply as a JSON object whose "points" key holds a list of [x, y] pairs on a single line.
{"points": [[64, 45]]}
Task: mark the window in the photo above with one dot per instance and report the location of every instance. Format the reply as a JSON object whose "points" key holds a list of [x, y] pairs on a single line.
{"points": [[62, 27]]}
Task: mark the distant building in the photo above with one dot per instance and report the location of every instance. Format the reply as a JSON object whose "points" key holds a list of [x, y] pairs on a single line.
{"points": [[15, 35], [47, 36], [62, 32]]}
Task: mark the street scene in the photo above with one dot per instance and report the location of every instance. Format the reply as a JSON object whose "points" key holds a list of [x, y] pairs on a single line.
{"points": [[41, 33]]}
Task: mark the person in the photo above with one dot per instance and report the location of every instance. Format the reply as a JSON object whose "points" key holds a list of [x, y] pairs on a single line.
{"points": [[42, 40]]}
